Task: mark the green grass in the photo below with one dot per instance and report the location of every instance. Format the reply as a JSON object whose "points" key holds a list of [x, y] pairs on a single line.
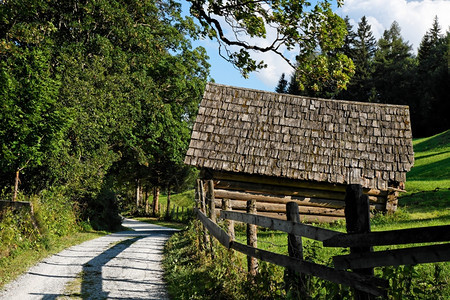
{"points": [[156, 221], [426, 203], [185, 199], [431, 171]]}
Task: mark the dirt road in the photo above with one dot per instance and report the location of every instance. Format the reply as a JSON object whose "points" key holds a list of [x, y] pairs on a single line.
{"points": [[123, 265]]}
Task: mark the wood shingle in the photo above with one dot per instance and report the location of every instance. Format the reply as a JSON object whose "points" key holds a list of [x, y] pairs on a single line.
{"points": [[296, 137]]}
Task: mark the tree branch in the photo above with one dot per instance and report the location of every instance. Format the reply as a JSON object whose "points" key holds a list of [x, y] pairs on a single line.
{"points": [[221, 36]]}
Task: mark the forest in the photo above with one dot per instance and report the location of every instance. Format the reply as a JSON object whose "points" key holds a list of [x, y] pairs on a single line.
{"points": [[98, 97], [387, 71]]}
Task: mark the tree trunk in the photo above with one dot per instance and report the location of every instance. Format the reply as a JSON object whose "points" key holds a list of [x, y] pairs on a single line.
{"points": [[168, 203], [155, 200], [16, 186], [138, 193], [146, 199]]}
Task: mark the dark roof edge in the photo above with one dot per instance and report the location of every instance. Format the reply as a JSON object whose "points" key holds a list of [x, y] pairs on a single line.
{"points": [[315, 98]]}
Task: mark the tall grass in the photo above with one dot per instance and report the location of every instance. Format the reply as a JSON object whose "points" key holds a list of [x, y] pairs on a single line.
{"points": [[23, 242]]}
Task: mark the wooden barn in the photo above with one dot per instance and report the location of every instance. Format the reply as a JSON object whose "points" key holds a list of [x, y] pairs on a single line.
{"points": [[275, 148]]}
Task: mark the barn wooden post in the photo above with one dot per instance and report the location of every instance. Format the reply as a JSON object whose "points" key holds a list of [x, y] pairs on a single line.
{"points": [[212, 209], [203, 210], [295, 280], [229, 224], [211, 201], [252, 240], [357, 217]]}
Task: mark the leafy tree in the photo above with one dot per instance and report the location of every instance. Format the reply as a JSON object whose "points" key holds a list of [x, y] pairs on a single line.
{"points": [[124, 74], [31, 124], [284, 25]]}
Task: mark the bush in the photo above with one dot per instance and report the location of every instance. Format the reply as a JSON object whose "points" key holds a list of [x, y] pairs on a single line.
{"points": [[52, 216]]}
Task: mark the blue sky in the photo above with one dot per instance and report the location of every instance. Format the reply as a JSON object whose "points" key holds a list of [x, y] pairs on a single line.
{"points": [[414, 17]]}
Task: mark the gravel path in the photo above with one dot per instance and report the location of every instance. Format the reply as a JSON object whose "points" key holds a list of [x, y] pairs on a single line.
{"points": [[122, 265]]}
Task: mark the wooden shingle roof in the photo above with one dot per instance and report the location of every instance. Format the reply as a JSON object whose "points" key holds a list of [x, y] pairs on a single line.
{"points": [[296, 137]]}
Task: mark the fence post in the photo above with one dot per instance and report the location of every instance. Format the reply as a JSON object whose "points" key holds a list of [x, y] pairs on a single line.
{"points": [[295, 280], [229, 224], [357, 217], [203, 209], [252, 240], [212, 209]]}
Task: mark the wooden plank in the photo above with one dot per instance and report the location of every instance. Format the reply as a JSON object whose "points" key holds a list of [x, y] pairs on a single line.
{"points": [[407, 256], [392, 237], [252, 239], [305, 218], [277, 181], [295, 280], [320, 219], [215, 230], [357, 220], [14, 204], [278, 190], [309, 202], [369, 284], [277, 198], [302, 201], [229, 224], [300, 229], [211, 201], [257, 179], [278, 207], [311, 199]]}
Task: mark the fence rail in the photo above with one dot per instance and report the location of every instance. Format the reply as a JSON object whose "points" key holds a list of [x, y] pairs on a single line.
{"points": [[358, 238]]}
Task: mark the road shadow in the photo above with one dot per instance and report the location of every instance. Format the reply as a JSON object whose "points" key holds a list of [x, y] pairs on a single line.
{"points": [[92, 278]]}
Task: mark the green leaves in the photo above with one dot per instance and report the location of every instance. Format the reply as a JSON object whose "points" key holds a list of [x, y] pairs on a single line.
{"points": [[284, 25], [85, 85], [30, 123]]}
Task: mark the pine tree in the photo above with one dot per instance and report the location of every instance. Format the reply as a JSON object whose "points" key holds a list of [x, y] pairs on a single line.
{"points": [[282, 85], [361, 47], [394, 68], [365, 47], [429, 111]]}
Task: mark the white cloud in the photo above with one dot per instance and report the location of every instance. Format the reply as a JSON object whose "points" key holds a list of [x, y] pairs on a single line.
{"points": [[414, 17]]}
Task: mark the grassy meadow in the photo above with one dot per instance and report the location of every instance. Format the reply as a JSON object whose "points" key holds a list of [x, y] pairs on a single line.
{"points": [[425, 203]]}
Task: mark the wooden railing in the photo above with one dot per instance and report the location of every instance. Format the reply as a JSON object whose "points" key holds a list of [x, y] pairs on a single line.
{"points": [[361, 260]]}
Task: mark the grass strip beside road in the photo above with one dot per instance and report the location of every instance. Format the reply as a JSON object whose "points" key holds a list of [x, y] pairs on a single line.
{"points": [[156, 221]]}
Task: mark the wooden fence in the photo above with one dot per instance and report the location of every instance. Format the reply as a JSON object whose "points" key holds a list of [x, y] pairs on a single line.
{"points": [[355, 269]]}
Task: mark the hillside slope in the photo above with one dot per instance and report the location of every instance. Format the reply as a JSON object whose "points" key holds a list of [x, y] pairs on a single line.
{"points": [[428, 182]]}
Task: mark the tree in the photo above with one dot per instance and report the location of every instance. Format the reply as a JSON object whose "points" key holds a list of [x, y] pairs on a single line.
{"points": [[311, 31], [431, 105], [394, 68], [31, 124], [282, 85], [361, 87], [128, 81]]}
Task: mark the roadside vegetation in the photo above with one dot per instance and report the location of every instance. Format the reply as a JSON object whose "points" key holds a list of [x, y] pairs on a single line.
{"points": [[191, 273], [26, 238]]}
